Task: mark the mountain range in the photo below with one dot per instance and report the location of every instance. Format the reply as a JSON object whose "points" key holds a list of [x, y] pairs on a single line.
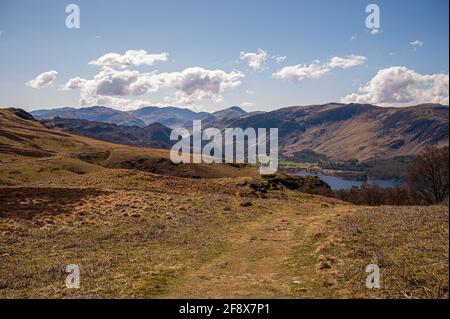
{"points": [[335, 131], [168, 116]]}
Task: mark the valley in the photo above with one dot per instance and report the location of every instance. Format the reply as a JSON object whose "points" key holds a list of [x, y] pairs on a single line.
{"points": [[331, 131], [140, 226]]}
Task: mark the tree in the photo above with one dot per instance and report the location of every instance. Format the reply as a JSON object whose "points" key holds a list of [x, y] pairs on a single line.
{"points": [[427, 176]]}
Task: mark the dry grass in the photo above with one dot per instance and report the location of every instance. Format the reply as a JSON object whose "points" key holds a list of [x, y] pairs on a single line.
{"points": [[176, 237], [409, 244], [142, 231], [128, 243]]}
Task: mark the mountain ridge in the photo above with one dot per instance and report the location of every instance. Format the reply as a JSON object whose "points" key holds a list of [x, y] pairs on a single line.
{"points": [[336, 130], [154, 135]]}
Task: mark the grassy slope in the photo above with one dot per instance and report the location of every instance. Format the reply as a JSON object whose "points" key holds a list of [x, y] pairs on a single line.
{"points": [[369, 134], [29, 152], [139, 234]]}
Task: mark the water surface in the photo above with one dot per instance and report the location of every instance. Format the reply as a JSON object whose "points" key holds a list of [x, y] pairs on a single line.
{"points": [[337, 183]]}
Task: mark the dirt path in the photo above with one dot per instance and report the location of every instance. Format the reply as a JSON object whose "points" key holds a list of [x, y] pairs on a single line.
{"points": [[262, 260]]}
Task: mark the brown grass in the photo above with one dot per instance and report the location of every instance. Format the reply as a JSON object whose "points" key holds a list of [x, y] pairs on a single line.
{"points": [[409, 244], [145, 232]]}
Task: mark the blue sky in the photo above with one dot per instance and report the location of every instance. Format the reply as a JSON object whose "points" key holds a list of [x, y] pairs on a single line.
{"points": [[202, 37]]}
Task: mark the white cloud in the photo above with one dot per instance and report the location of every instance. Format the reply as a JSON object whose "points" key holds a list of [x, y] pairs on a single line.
{"points": [[190, 85], [250, 92], [416, 44], [109, 86], [317, 69], [43, 80], [279, 58], [399, 86], [110, 82], [129, 59], [74, 83], [124, 104], [116, 102], [255, 60], [347, 62], [354, 37], [302, 71], [198, 83]]}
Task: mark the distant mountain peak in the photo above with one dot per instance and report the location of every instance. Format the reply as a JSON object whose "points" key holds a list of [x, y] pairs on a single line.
{"points": [[237, 109], [228, 112]]}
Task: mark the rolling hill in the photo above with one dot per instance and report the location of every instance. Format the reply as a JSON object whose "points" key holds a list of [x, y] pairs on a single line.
{"points": [[29, 151]]}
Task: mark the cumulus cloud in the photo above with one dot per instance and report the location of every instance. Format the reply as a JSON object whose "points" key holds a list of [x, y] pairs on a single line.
{"points": [[255, 60], [43, 80], [199, 83], [74, 83], [347, 62], [123, 104], [399, 86], [108, 87], [130, 58], [416, 44], [110, 82], [317, 69], [302, 71], [192, 84]]}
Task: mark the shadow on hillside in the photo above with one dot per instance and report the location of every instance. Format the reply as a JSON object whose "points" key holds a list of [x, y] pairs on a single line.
{"points": [[25, 203]]}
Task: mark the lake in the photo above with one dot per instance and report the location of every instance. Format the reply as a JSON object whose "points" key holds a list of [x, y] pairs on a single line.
{"points": [[337, 183]]}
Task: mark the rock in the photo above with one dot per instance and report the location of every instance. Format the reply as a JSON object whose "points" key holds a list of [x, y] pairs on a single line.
{"points": [[258, 187], [324, 265], [307, 184], [246, 204]]}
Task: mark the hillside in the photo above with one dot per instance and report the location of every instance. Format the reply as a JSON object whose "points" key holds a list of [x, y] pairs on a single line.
{"points": [[154, 135], [169, 116], [95, 113], [29, 151], [347, 131], [234, 111]]}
